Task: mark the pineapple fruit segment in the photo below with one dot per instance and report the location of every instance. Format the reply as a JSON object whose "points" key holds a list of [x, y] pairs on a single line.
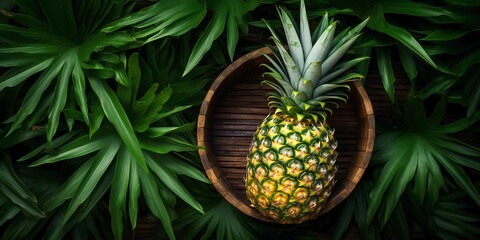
{"points": [[291, 168]]}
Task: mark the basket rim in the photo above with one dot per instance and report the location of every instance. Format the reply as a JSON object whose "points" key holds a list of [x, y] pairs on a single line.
{"points": [[222, 185]]}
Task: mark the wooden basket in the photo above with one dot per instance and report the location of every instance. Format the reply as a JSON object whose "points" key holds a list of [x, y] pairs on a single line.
{"points": [[237, 103]]}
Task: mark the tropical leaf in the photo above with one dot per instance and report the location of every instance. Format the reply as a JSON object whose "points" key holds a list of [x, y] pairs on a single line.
{"points": [[57, 45], [416, 153]]}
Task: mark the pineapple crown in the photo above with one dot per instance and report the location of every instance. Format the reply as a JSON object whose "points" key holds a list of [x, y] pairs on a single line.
{"points": [[309, 76]]}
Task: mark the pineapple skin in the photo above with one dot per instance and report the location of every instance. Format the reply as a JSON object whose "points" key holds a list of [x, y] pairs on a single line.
{"points": [[291, 168]]}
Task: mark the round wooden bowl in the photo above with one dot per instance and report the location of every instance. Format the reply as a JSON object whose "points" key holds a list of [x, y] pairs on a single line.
{"points": [[237, 103]]}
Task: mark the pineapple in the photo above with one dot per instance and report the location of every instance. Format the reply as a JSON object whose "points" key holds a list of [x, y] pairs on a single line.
{"points": [[291, 163]]}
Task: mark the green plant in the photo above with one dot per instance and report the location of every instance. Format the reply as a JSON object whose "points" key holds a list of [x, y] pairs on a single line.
{"points": [[420, 150]]}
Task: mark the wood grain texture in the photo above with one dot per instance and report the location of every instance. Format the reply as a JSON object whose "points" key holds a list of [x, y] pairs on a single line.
{"points": [[236, 103]]}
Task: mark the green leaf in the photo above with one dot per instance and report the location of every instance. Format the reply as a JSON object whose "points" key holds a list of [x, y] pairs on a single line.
{"points": [[17, 75], [44, 147], [341, 68], [322, 46], [19, 136], [166, 144], [294, 73], [459, 125], [76, 148], [408, 63], [388, 173], [134, 74], [78, 78], [213, 30], [409, 167], [335, 56], [232, 35], [386, 71], [102, 161], [59, 99], [306, 37], [69, 188], [96, 116], [445, 35], [7, 212], [141, 105], [182, 168], [155, 202], [154, 132], [33, 96], [117, 116], [153, 109], [169, 178], [345, 219], [173, 111], [118, 193], [134, 193], [379, 23], [13, 188], [293, 41], [460, 177]]}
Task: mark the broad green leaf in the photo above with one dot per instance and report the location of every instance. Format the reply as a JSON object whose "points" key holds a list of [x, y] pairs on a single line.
{"points": [[78, 79], [76, 148], [344, 220], [102, 161], [459, 125], [154, 132], [69, 188], [388, 173], [212, 31], [44, 147], [33, 96], [460, 177], [117, 116], [155, 202], [408, 63], [59, 99], [362, 67], [7, 212], [445, 35], [379, 23], [134, 74], [20, 228], [102, 187], [182, 168], [232, 35], [166, 144], [154, 108], [173, 111], [96, 116], [118, 192], [141, 105], [133, 193], [386, 71], [17, 75], [409, 168], [169, 178], [19, 136], [15, 190]]}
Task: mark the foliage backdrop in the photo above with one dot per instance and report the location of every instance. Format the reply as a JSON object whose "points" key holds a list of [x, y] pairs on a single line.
{"points": [[98, 103]]}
